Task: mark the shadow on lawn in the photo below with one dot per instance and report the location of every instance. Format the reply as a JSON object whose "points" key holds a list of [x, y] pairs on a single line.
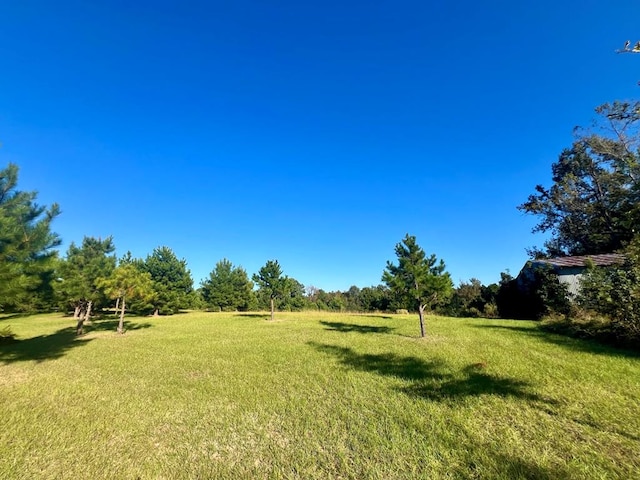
{"points": [[514, 467], [111, 324], [42, 347], [577, 344], [55, 345], [374, 315], [430, 379], [10, 316], [353, 327]]}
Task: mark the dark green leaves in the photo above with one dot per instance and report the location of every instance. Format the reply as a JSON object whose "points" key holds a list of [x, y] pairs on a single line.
{"points": [[26, 242], [417, 280]]}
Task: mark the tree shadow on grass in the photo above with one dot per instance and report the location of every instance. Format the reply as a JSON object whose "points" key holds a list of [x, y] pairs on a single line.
{"points": [[111, 324], [517, 468], [473, 382], [431, 380], [375, 315], [353, 327], [388, 364], [609, 427], [55, 345], [9, 316], [577, 344], [42, 347]]}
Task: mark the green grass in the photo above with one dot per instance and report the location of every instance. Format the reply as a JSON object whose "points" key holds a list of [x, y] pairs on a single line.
{"points": [[205, 395]]}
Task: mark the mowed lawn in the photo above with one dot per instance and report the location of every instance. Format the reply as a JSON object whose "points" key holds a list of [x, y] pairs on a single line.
{"points": [[313, 395]]}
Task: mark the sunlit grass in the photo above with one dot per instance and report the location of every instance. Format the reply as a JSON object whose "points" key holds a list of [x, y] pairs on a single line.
{"points": [[313, 395]]}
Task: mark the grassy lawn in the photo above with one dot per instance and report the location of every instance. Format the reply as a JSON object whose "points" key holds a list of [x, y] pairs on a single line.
{"points": [[214, 395]]}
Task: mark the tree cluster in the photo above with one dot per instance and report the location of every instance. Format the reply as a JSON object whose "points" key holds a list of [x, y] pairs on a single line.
{"points": [[592, 207], [89, 280]]}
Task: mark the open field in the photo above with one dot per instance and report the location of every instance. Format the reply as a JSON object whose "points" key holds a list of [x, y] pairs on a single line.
{"points": [[214, 395]]}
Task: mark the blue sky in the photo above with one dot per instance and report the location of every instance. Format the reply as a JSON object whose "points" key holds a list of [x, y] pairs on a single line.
{"points": [[315, 133]]}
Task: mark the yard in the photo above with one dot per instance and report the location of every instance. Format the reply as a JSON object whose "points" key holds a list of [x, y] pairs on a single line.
{"points": [[313, 395]]}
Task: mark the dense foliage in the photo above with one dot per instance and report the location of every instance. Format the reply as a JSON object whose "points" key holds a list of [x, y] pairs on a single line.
{"points": [[228, 288], [473, 299], [172, 282], [614, 292], [27, 255], [80, 272], [127, 282], [593, 205]]}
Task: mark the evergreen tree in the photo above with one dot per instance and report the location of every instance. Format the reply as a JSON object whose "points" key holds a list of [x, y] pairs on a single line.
{"points": [[127, 283], [271, 283], [172, 282], [80, 275], [228, 288], [418, 282], [26, 242]]}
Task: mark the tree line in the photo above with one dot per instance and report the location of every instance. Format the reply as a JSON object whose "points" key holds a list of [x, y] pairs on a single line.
{"points": [[88, 278], [591, 207]]}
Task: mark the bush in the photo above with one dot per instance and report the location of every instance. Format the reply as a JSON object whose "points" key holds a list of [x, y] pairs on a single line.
{"points": [[614, 292], [490, 310]]}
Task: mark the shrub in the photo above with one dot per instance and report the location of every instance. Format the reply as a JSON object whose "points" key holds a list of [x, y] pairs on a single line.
{"points": [[615, 293], [490, 310]]}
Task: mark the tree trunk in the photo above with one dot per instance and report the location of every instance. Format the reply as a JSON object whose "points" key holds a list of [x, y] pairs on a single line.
{"points": [[78, 316], [156, 312], [79, 325], [421, 314], [117, 305], [121, 324], [82, 317], [88, 312], [272, 308]]}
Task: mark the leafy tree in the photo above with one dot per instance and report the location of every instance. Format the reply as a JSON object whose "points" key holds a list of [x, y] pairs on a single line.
{"points": [[467, 299], [228, 288], [127, 283], [418, 282], [294, 297], [375, 299], [593, 205], [318, 297], [489, 297], [271, 283], [81, 273], [172, 282], [615, 293], [26, 242], [352, 299]]}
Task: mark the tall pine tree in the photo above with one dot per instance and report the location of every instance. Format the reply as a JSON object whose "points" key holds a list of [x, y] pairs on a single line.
{"points": [[26, 242]]}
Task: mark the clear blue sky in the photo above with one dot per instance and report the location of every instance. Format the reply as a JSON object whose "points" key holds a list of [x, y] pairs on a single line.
{"points": [[313, 132]]}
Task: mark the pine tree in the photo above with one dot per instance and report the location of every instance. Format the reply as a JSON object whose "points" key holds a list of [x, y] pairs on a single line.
{"points": [[418, 282], [26, 241]]}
